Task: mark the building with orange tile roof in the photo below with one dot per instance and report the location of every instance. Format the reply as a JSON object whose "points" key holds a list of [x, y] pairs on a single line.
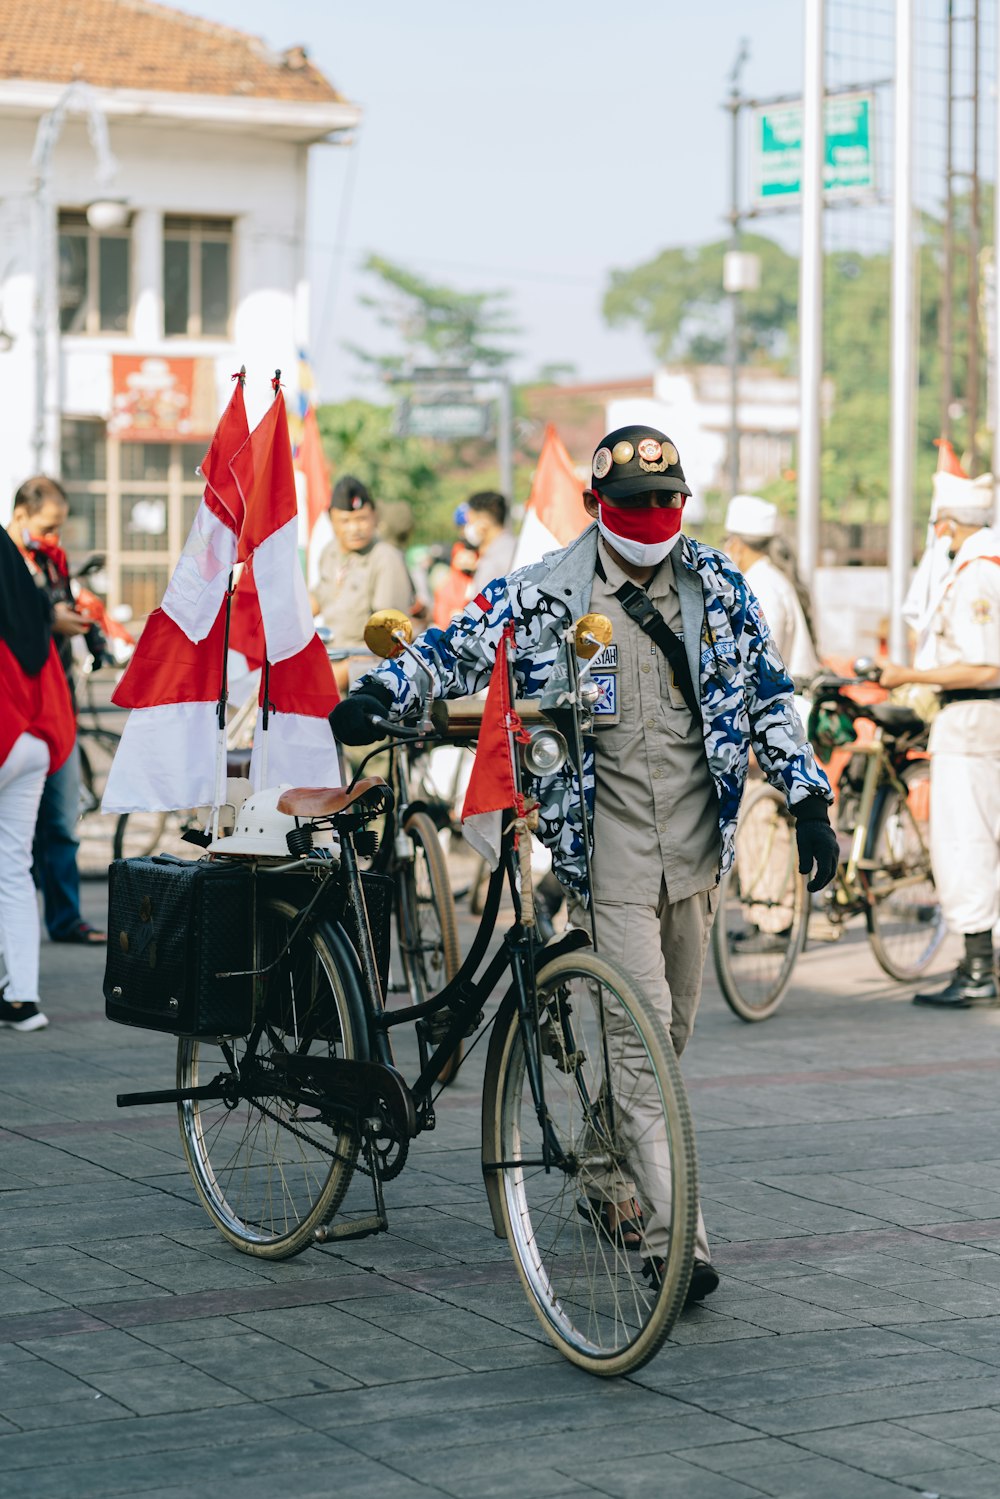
{"points": [[153, 217]]}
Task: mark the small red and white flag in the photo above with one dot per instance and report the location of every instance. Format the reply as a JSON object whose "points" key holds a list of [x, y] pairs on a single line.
{"points": [[492, 789], [555, 513]]}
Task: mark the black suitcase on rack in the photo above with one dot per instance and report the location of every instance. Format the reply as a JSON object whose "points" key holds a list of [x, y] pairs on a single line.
{"points": [[173, 926]]}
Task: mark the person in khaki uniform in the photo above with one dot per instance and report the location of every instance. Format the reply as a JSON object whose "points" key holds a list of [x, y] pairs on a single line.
{"points": [[357, 575], [681, 698]]}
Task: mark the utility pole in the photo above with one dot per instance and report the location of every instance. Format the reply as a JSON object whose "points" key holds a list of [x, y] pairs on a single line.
{"points": [[734, 104], [902, 381], [811, 291]]}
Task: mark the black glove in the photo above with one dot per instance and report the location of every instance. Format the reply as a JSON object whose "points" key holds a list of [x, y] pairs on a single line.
{"points": [[351, 720], [816, 841]]}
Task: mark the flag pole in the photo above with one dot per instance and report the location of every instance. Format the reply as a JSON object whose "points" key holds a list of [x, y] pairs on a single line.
{"points": [[220, 741], [266, 706]]}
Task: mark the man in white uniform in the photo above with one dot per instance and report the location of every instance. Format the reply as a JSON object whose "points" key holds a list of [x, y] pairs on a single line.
{"points": [[959, 653], [751, 538]]}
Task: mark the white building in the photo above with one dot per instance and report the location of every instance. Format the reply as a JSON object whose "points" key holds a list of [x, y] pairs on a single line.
{"points": [[120, 329], [693, 405]]}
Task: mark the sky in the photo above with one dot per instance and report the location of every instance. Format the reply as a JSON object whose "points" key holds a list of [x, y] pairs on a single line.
{"points": [[519, 146]]}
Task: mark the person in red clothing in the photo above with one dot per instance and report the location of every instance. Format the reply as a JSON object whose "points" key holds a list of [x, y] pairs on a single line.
{"points": [[37, 734]]}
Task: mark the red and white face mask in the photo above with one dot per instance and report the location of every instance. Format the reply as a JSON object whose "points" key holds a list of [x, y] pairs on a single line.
{"points": [[642, 536]]}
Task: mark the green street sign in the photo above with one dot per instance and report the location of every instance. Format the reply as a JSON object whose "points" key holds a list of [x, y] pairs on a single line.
{"points": [[776, 150]]}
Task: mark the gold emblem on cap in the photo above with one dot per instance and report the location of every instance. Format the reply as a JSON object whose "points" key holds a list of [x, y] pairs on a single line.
{"points": [[670, 453], [649, 449], [623, 452], [602, 462]]}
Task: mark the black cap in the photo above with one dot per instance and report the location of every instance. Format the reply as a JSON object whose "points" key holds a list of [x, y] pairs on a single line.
{"points": [[632, 459], [350, 494]]}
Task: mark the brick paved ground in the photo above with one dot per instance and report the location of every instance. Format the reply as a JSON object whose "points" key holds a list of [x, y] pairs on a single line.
{"points": [[851, 1182]]}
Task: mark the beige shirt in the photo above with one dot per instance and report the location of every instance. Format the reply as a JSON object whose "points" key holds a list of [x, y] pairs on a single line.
{"points": [[657, 811], [352, 585]]}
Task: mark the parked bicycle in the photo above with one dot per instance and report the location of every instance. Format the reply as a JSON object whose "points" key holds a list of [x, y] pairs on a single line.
{"points": [[282, 1101], [885, 874]]}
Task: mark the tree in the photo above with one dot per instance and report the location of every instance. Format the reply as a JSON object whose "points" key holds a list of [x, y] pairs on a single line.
{"points": [[436, 324], [679, 301]]}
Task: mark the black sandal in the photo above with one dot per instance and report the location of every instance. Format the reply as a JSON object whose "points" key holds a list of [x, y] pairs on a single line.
{"points": [[627, 1233]]}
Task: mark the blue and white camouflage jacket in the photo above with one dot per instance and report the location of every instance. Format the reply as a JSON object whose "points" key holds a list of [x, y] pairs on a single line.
{"points": [[745, 691]]}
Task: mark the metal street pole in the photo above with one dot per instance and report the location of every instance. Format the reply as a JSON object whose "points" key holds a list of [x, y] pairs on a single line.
{"points": [[995, 361], [81, 96], [903, 407], [733, 105], [505, 438], [811, 292]]}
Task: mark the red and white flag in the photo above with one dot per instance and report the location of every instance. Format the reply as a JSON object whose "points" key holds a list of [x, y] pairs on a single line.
{"points": [[555, 514], [492, 789], [197, 586], [265, 477], [171, 754]]}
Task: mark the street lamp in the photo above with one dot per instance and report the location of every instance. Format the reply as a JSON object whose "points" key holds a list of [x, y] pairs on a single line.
{"points": [[104, 213]]}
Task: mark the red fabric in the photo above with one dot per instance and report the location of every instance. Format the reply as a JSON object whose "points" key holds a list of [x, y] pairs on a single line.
{"points": [[948, 459], [265, 478], [451, 598], [303, 684], [222, 493], [643, 524], [311, 461], [491, 786], [168, 667], [36, 705], [557, 492]]}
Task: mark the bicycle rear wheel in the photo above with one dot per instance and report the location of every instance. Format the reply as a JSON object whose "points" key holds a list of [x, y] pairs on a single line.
{"points": [[906, 925], [610, 1079], [760, 928], [426, 921], [270, 1170]]}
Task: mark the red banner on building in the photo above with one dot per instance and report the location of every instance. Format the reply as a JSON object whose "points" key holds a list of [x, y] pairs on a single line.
{"points": [[154, 399]]}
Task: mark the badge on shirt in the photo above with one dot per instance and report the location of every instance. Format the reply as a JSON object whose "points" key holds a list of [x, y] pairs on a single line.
{"points": [[982, 611], [606, 706]]}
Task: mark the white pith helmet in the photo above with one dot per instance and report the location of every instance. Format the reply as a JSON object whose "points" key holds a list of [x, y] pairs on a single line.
{"points": [[260, 828]]}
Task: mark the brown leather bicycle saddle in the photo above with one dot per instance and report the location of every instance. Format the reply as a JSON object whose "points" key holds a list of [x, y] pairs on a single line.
{"points": [[329, 801]]}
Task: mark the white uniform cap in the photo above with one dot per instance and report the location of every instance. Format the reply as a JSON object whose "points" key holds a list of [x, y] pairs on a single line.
{"points": [[968, 501], [748, 515]]}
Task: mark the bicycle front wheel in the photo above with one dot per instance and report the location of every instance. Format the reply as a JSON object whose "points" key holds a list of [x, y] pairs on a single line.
{"points": [[428, 928], [617, 1125], [906, 925], [760, 927], [271, 1170]]}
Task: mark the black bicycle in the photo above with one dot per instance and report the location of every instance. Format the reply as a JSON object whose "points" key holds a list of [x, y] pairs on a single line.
{"points": [[276, 1122]]}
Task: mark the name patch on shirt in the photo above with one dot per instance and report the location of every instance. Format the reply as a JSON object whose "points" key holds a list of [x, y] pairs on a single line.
{"points": [[607, 657]]}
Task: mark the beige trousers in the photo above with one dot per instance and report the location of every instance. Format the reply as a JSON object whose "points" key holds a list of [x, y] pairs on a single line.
{"points": [[662, 947]]}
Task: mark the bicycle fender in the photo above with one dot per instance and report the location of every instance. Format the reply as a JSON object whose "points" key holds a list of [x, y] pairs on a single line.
{"points": [[349, 968]]}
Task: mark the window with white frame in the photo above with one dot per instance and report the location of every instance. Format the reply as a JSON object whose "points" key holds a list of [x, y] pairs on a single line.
{"points": [[94, 276], [197, 277]]}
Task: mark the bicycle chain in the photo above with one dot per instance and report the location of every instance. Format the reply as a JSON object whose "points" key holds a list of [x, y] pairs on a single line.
{"points": [[309, 1139]]}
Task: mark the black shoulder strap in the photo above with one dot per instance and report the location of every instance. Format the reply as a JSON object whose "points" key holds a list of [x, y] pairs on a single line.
{"points": [[640, 607]]}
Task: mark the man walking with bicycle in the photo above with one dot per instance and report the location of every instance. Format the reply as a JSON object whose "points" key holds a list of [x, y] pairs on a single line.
{"points": [[690, 682]]}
